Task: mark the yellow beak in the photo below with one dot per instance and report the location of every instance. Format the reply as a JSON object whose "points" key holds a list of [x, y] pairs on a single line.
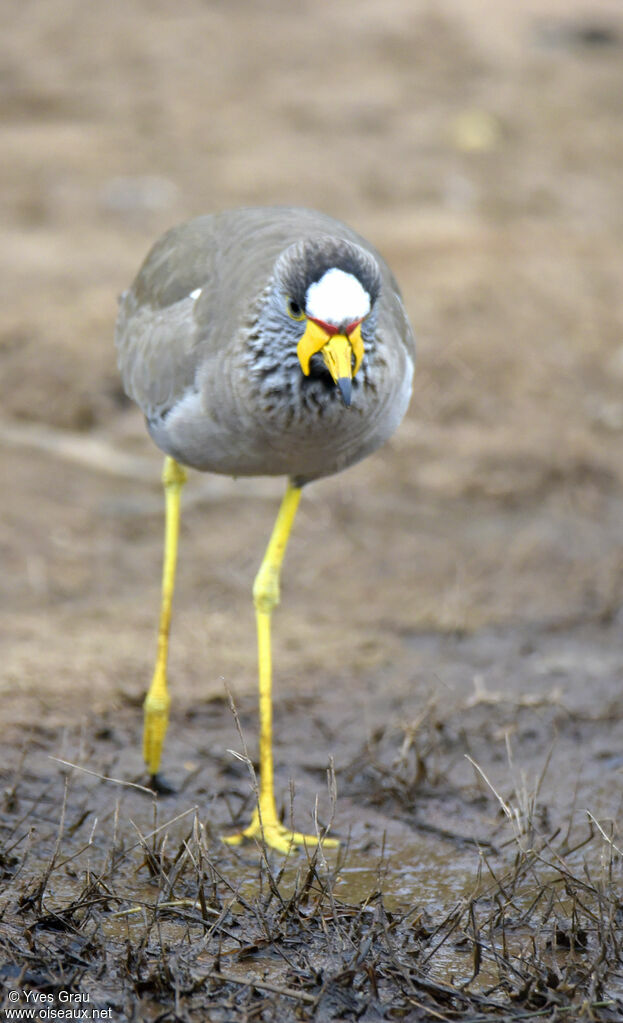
{"points": [[338, 357], [337, 351]]}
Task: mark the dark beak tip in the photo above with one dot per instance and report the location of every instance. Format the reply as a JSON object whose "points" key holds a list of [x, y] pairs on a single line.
{"points": [[345, 385]]}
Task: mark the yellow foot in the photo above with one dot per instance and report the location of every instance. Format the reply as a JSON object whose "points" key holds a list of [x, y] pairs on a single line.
{"points": [[277, 836]]}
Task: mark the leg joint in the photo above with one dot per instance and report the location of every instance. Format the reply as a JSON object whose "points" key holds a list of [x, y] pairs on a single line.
{"points": [[266, 589]]}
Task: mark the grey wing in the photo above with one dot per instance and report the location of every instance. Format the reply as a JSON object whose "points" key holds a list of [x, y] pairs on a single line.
{"points": [[156, 352], [401, 323], [157, 333]]}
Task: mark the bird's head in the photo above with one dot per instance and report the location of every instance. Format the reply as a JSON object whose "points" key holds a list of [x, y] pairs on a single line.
{"points": [[329, 288]]}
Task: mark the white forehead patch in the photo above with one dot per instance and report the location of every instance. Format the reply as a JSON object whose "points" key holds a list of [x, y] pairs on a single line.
{"points": [[195, 294], [337, 297]]}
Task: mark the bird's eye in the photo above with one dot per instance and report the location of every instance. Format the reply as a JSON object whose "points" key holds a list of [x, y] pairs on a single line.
{"points": [[294, 309]]}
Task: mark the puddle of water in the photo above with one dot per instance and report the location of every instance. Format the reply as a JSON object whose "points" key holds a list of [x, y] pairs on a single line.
{"points": [[424, 874]]}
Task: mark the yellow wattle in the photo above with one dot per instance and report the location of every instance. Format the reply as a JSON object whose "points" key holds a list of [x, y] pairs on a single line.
{"points": [[356, 342], [313, 339]]}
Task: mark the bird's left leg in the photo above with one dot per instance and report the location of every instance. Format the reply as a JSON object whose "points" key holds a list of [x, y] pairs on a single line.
{"points": [[265, 823], [156, 706]]}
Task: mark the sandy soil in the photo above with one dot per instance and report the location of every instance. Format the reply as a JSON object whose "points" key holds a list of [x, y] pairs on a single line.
{"points": [[459, 591]]}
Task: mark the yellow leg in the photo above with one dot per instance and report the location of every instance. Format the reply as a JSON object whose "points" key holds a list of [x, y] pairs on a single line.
{"points": [[157, 701], [265, 823]]}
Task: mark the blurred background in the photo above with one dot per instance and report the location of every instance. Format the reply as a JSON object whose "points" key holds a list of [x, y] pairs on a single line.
{"points": [[479, 145]]}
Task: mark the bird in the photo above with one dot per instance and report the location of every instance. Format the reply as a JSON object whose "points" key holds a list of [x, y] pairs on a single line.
{"points": [[266, 341]]}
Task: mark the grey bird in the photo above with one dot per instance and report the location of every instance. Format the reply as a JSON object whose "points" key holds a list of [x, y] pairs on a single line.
{"points": [[268, 341]]}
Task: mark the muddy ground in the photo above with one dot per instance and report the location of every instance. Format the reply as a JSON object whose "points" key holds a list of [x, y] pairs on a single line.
{"points": [[460, 594]]}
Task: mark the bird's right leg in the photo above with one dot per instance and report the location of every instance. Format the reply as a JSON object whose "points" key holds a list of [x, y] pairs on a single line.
{"points": [[157, 701], [265, 824]]}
